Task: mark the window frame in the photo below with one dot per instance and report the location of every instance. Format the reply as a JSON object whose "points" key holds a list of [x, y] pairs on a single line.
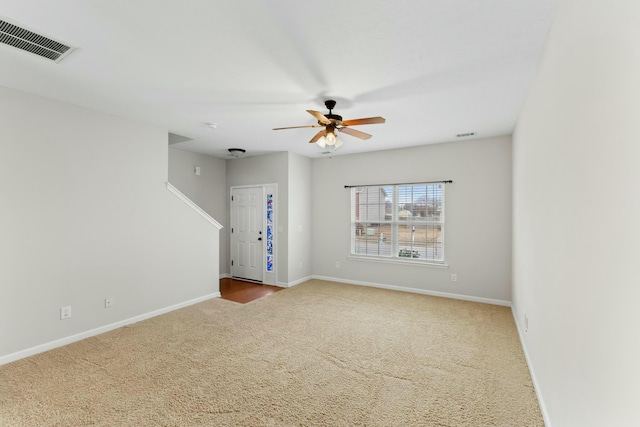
{"points": [[395, 222]]}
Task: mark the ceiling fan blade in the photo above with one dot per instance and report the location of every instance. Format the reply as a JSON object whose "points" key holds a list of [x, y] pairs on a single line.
{"points": [[298, 127], [318, 136], [366, 121], [355, 133], [319, 116]]}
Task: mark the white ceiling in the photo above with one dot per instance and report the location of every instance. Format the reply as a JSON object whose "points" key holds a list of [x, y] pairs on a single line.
{"points": [[432, 68]]}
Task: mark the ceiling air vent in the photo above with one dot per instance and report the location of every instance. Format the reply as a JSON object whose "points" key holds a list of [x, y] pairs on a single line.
{"points": [[31, 42], [462, 135]]}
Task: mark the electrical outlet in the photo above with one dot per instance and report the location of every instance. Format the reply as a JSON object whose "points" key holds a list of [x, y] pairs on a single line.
{"points": [[337, 264], [454, 277], [65, 312], [526, 323], [108, 302]]}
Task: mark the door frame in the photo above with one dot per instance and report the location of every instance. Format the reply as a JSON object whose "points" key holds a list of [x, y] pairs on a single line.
{"points": [[268, 278]]}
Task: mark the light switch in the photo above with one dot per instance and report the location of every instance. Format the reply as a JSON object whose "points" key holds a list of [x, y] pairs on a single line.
{"points": [[197, 170]]}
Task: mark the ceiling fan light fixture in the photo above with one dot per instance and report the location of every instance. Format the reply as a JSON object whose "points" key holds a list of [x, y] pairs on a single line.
{"points": [[331, 138], [236, 152], [322, 142]]}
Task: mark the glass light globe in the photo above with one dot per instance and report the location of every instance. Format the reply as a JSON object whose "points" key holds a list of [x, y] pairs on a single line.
{"points": [[331, 138]]}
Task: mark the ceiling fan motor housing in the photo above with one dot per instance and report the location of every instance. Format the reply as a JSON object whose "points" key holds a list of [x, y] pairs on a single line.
{"points": [[330, 104]]}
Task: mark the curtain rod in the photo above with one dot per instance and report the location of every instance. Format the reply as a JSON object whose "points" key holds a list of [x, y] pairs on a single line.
{"points": [[399, 183]]}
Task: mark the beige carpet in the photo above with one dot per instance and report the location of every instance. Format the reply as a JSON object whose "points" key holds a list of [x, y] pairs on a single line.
{"points": [[318, 354]]}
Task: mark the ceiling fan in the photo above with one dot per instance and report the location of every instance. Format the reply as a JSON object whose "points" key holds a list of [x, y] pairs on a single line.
{"points": [[332, 123]]}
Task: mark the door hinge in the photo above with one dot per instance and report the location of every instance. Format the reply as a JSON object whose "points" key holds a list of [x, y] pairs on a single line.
{"points": [[231, 262], [232, 198], [232, 229]]}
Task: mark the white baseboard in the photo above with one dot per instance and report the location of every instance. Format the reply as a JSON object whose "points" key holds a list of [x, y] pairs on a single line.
{"points": [[543, 408], [294, 283], [100, 330], [225, 276], [416, 291]]}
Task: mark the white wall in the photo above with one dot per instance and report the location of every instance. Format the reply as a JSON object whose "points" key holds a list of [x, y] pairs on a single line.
{"points": [[576, 216], [299, 218], [267, 169], [478, 215], [84, 215], [208, 190]]}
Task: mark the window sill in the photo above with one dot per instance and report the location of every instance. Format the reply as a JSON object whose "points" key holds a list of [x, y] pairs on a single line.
{"points": [[441, 265]]}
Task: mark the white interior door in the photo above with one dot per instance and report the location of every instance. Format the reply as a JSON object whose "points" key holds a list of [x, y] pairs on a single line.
{"points": [[247, 244]]}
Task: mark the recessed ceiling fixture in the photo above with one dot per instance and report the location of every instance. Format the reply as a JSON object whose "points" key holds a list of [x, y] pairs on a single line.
{"points": [[332, 123], [212, 125], [236, 152], [461, 135], [32, 42]]}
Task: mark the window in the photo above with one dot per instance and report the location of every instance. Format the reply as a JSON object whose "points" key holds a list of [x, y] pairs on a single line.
{"points": [[402, 222]]}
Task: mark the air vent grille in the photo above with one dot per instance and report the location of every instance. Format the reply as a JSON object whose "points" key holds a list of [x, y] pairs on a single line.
{"points": [[462, 135], [29, 41]]}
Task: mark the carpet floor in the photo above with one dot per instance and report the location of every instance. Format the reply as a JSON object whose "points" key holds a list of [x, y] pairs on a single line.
{"points": [[318, 354]]}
